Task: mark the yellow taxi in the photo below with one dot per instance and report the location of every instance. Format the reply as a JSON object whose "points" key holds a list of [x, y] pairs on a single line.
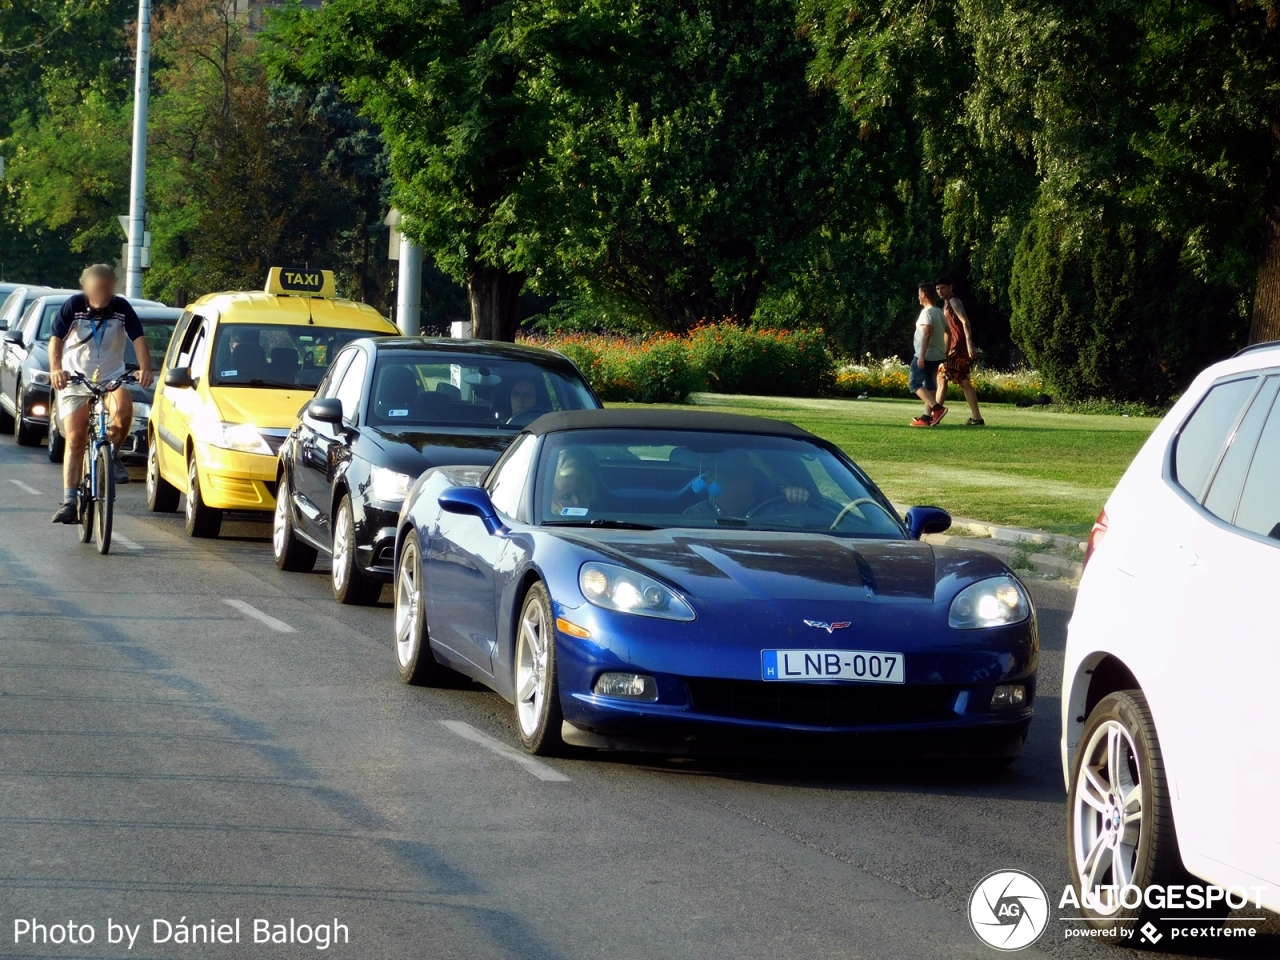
{"points": [[239, 367]]}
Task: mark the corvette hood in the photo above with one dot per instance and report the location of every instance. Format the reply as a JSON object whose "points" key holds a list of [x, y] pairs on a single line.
{"points": [[264, 407], [741, 565]]}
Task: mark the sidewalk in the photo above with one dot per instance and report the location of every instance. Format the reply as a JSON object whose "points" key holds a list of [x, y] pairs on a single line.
{"points": [[1048, 554]]}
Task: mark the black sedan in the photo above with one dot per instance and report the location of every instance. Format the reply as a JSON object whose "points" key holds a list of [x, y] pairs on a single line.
{"points": [[389, 409], [25, 399]]}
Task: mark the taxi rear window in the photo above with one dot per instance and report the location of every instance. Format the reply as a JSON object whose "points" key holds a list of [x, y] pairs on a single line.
{"points": [[275, 355]]}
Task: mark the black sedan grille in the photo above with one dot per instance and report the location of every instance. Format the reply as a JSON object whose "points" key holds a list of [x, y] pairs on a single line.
{"points": [[822, 704]]}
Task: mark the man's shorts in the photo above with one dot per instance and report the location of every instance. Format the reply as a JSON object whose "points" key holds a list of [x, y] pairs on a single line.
{"points": [[956, 367], [927, 378], [72, 397]]}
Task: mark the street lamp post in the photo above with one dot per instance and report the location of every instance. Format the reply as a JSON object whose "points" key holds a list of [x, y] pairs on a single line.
{"points": [[138, 181]]}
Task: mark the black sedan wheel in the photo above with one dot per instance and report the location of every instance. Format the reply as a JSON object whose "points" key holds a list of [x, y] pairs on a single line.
{"points": [[290, 552], [25, 435], [415, 662], [57, 442], [350, 584], [538, 716]]}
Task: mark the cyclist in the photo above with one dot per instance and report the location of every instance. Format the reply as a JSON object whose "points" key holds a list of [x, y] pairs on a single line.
{"points": [[88, 338]]}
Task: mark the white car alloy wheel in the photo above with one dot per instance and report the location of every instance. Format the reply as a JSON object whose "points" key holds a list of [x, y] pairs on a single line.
{"points": [[1107, 812], [341, 550], [408, 615]]}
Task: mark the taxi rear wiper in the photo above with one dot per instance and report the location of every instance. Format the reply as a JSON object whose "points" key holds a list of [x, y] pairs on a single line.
{"points": [[600, 522]]}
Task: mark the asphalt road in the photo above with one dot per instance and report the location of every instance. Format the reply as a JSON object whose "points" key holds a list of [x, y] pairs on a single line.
{"points": [[166, 756]]}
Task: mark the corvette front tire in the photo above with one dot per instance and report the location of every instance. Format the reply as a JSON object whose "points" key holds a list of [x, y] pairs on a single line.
{"points": [[537, 684], [415, 663]]}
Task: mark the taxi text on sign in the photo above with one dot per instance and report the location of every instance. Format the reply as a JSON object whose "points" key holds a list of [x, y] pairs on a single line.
{"points": [[301, 281]]}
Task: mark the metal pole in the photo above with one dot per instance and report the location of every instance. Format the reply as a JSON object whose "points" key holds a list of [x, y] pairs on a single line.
{"points": [[138, 182], [409, 288]]}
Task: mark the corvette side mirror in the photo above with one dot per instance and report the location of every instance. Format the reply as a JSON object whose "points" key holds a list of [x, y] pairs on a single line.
{"points": [[922, 520], [472, 502], [179, 377]]}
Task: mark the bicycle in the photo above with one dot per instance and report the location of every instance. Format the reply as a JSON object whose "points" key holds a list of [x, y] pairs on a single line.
{"points": [[97, 478]]}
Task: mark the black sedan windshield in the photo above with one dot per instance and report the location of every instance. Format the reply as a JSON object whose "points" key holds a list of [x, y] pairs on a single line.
{"points": [[665, 479], [423, 389]]}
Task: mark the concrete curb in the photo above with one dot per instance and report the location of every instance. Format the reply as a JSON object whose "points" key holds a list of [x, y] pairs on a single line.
{"points": [[1007, 542]]}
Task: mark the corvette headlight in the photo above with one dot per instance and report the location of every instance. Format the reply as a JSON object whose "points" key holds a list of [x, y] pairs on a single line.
{"points": [[617, 588], [243, 437], [389, 485], [40, 377], [989, 603]]}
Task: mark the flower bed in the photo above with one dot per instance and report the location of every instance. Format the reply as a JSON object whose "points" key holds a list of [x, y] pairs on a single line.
{"points": [[888, 378]]}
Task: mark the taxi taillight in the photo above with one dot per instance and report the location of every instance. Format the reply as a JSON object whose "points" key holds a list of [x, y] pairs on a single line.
{"points": [[1096, 536]]}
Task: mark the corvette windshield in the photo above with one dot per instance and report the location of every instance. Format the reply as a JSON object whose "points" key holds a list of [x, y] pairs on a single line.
{"points": [[663, 479], [423, 389]]}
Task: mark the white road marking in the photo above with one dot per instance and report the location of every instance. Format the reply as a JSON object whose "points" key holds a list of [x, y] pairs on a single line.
{"points": [[125, 541], [251, 611], [22, 486], [537, 768]]}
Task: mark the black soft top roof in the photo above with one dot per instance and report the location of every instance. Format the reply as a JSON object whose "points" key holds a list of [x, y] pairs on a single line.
{"points": [[694, 420]]}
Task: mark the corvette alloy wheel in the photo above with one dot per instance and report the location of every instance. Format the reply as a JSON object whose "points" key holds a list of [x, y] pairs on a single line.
{"points": [[538, 715], [415, 662]]}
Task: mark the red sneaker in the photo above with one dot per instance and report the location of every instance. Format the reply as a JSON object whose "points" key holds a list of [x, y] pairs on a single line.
{"points": [[938, 414], [924, 420]]}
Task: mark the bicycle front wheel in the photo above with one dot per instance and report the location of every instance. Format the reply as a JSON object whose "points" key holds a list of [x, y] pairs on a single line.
{"points": [[86, 498], [104, 497]]}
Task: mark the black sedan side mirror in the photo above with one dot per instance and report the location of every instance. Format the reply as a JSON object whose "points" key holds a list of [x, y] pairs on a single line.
{"points": [[325, 410], [922, 520], [472, 502], [179, 377]]}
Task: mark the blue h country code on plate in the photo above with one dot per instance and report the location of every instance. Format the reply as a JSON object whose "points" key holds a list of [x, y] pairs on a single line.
{"points": [[874, 666]]}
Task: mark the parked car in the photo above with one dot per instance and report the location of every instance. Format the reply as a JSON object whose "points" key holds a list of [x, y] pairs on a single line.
{"points": [[158, 323], [387, 410], [1169, 707], [239, 368], [14, 298], [24, 371], [690, 582]]}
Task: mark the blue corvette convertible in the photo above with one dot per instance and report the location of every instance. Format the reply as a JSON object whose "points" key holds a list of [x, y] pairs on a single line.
{"points": [[692, 582]]}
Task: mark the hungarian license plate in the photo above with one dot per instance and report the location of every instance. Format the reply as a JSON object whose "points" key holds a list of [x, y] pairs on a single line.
{"points": [[875, 666]]}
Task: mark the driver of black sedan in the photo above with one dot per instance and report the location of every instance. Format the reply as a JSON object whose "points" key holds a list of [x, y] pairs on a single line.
{"points": [[737, 486]]}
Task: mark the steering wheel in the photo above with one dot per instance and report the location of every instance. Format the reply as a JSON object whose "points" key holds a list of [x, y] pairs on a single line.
{"points": [[771, 501], [853, 505], [526, 417]]}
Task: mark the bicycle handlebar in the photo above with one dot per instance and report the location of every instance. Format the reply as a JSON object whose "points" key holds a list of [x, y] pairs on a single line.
{"points": [[104, 387]]}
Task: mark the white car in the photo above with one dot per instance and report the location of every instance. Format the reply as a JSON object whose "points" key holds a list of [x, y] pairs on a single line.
{"points": [[1171, 685]]}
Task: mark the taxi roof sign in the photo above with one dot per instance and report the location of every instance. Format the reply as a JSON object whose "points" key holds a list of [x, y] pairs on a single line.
{"points": [[301, 282]]}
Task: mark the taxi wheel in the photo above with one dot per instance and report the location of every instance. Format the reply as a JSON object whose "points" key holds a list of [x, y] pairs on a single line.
{"points": [[202, 521], [415, 661], [290, 552], [162, 496], [537, 681], [350, 584]]}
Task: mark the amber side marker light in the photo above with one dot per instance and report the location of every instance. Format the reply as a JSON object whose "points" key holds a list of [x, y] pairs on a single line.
{"points": [[572, 629], [1096, 536]]}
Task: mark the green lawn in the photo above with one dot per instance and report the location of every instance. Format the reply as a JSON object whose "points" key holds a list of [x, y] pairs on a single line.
{"points": [[1026, 468]]}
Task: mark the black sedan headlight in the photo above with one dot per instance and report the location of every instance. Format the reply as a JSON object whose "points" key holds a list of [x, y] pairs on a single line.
{"points": [[989, 603]]}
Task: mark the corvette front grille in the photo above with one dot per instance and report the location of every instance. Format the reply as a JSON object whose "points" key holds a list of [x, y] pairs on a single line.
{"points": [[822, 704]]}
